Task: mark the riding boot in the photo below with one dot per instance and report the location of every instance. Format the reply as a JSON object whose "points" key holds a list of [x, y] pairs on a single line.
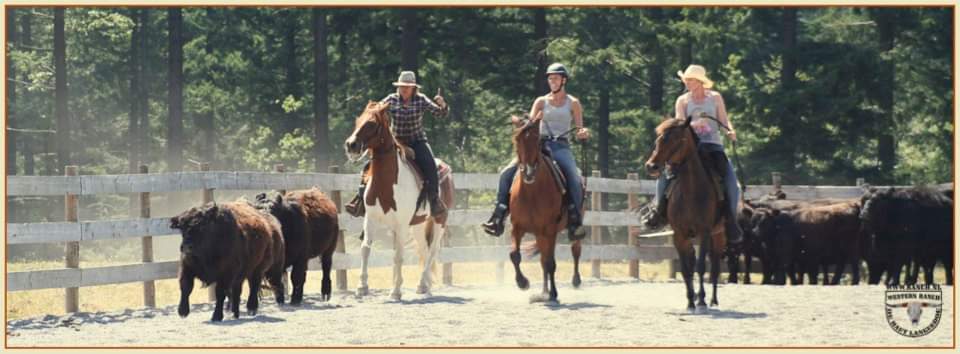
{"points": [[575, 229], [437, 209], [656, 217], [355, 207], [494, 226], [733, 232]]}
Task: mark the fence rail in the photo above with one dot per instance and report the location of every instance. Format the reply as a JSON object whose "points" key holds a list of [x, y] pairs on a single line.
{"points": [[650, 248]]}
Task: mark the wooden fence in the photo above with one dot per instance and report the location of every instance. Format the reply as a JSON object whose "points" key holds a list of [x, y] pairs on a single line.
{"points": [[646, 248]]}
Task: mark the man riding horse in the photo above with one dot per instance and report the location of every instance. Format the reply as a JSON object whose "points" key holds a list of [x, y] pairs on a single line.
{"points": [[709, 115], [407, 107], [558, 109]]}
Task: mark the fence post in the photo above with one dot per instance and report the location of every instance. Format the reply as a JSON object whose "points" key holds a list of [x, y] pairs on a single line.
{"points": [[207, 198], [776, 181], [341, 248], [72, 249], [861, 182], [146, 244], [500, 265], [633, 204], [595, 231]]}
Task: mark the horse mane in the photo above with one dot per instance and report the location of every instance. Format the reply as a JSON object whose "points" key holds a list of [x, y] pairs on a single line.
{"points": [[668, 124], [530, 124], [378, 111]]}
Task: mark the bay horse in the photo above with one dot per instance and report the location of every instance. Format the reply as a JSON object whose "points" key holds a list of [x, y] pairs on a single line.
{"points": [[693, 205], [392, 199], [537, 207]]}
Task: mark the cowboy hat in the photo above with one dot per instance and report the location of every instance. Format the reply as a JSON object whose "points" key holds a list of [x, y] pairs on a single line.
{"points": [[407, 78], [696, 72]]}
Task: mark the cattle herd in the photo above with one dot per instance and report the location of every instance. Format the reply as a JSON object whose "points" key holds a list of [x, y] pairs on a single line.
{"points": [[893, 231], [889, 230], [228, 243]]}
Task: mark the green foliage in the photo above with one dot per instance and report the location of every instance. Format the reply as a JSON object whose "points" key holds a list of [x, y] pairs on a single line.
{"points": [[239, 70]]}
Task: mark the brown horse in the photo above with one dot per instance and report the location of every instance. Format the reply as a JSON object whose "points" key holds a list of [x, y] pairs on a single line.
{"points": [[693, 206], [537, 207]]}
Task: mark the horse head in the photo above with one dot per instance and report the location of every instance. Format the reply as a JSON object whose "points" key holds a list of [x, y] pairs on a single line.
{"points": [[371, 130], [675, 143], [526, 142]]}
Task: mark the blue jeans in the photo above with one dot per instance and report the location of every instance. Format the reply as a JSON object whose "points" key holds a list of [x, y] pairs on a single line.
{"points": [[564, 156], [732, 191]]}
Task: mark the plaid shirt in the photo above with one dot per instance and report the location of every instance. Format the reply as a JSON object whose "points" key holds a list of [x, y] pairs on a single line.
{"points": [[407, 122]]}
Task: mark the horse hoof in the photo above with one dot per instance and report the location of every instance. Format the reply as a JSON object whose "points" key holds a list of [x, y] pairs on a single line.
{"points": [[576, 281], [523, 283], [714, 303], [395, 296], [363, 291], [423, 289], [701, 309]]}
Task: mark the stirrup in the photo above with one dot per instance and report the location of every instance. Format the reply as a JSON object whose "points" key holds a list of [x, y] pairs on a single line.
{"points": [[355, 207]]}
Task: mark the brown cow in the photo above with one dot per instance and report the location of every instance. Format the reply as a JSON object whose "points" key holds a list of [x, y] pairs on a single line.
{"points": [[225, 244], [310, 229]]}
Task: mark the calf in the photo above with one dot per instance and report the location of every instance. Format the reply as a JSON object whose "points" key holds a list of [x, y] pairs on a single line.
{"points": [[310, 228], [224, 244]]}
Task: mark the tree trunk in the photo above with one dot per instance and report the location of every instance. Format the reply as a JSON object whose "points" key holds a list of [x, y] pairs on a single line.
{"points": [[292, 71], [788, 79], [655, 71], [26, 38], [410, 41], [12, 115], [208, 120], [321, 127], [886, 145], [134, 115], [603, 128], [143, 107], [63, 145], [175, 90], [541, 40]]}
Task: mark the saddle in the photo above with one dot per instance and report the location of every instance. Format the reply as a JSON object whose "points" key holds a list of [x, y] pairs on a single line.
{"points": [[715, 163], [409, 157], [558, 177]]}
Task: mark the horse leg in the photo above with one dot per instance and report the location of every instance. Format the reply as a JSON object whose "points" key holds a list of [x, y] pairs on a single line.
{"points": [[702, 267], [715, 255], [549, 266], [364, 289], [575, 248], [424, 250], [399, 236], [687, 260], [522, 281]]}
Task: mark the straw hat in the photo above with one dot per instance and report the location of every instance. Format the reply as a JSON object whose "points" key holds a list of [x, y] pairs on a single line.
{"points": [[696, 72], [407, 78]]}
